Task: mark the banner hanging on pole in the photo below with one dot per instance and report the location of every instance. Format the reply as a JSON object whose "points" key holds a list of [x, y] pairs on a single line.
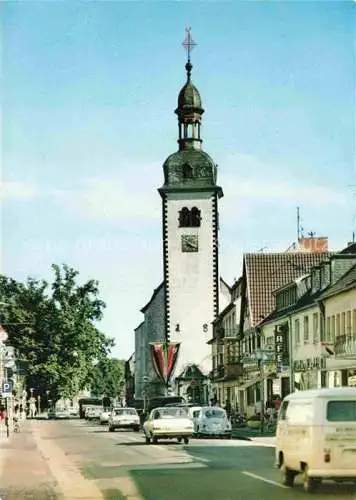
{"points": [[164, 357]]}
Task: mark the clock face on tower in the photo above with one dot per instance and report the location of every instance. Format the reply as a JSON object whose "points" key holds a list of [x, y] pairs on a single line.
{"points": [[189, 243]]}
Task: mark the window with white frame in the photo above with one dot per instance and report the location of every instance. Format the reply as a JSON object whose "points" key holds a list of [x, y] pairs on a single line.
{"points": [[315, 327], [348, 323], [297, 331], [338, 325], [306, 328], [333, 328], [328, 329], [343, 324]]}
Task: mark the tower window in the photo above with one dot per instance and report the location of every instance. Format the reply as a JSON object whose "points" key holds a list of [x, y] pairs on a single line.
{"points": [[184, 217], [189, 218], [195, 217], [187, 171]]}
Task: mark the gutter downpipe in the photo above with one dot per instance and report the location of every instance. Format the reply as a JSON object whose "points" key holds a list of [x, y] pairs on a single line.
{"points": [[291, 357], [322, 339]]}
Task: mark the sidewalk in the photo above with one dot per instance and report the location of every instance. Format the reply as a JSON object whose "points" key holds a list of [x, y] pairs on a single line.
{"points": [[34, 467], [249, 434], [24, 473]]}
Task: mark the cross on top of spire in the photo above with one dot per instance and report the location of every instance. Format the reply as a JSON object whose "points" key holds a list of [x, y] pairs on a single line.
{"points": [[188, 43]]}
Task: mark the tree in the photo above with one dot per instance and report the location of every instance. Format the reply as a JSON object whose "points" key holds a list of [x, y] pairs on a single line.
{"points": [[53, 328], [108, 378]]}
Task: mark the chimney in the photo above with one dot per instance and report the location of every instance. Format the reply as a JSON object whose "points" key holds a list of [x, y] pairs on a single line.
{"points": [[314, 244]]}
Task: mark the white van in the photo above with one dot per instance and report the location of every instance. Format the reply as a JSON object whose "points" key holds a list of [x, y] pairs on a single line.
{"points": [[316, 436]]}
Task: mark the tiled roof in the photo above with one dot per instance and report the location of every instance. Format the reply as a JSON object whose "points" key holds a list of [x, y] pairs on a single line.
{"points": [[266, 272], [349, 249], [347, 281], [191, 372]]}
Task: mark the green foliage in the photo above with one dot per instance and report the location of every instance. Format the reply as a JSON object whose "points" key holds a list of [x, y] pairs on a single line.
{"points": [[52, 326], [108, 378]]}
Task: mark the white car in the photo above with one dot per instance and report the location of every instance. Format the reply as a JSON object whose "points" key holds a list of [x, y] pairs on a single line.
{"points": [[212, 421], [124, 418], [104, 416], [168, 423]]}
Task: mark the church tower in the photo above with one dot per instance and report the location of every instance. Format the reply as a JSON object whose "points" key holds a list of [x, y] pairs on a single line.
{"points": [[190, 197]]}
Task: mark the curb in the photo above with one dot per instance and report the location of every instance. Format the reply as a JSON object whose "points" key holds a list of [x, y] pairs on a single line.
{"points": [[242, 438]]}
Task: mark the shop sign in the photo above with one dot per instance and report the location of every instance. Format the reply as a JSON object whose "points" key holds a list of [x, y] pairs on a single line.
{"points": [[304, 365], [281, 346]]}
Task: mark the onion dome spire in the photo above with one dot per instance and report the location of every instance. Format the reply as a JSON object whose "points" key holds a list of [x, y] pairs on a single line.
{"points": [[189, 108]]}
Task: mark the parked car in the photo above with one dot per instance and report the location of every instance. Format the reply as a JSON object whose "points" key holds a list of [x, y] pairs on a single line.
{"points": [[168, 422], [124, 418], [316, 436], [62, 414], [104, 416], [212, 421]]}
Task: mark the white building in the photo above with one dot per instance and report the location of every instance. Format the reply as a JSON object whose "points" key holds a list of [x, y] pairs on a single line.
{"points": [[190, 197]]}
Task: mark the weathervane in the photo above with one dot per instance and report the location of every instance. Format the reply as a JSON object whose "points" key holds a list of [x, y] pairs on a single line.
{"points": [[188, 42]]}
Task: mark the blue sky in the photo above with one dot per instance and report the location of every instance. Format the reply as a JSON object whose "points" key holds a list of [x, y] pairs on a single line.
{"points": [[89, 90]]}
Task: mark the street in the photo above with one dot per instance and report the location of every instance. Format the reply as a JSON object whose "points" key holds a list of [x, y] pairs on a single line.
{"points": [[87, 461]]}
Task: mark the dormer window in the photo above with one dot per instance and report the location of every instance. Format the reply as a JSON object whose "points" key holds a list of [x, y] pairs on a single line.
{"points": [[189, 218]]}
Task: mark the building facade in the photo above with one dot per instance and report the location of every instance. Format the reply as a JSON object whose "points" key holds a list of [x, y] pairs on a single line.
{"points": [[312, 331], [227, 366], [150, 330], [263, 273]]}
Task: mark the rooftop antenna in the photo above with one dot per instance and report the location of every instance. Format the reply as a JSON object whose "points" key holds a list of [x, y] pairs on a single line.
{"points": [[299, 225]]}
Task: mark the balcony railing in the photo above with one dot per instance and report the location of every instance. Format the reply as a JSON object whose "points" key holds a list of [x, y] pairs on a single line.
{"points": [[345, 346], [232, 368], [221, 333], [231, 333], [218, 372]]}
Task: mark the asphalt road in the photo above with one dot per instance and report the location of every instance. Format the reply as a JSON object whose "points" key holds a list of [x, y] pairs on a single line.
{"points": [[206, 468]]}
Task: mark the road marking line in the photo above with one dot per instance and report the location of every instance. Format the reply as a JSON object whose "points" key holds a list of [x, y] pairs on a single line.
{"points": [[261, 478]]}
